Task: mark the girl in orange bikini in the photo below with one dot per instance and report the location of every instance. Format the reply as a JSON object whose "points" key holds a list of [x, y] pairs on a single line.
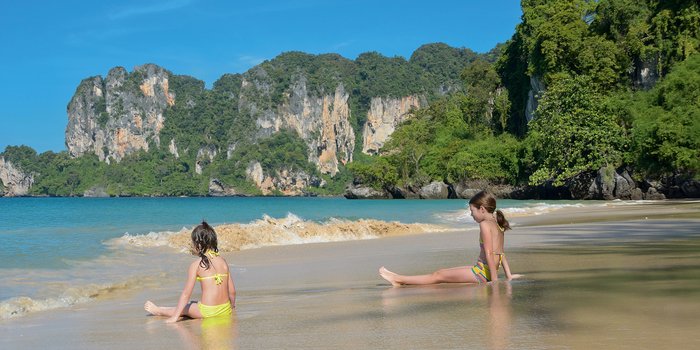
{"points": [[218, 291], [492, 227]]}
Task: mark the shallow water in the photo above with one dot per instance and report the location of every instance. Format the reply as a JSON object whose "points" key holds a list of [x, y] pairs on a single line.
{"points": [[619, 286], [59, 252], [624, 285]]}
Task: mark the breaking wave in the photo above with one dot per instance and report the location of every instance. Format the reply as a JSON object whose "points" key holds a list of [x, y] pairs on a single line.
{"points": [[289, 230], [463, 216], [20, 306]]}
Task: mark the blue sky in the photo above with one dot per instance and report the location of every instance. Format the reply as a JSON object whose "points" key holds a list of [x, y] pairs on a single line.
{"points": [[49, 46]]}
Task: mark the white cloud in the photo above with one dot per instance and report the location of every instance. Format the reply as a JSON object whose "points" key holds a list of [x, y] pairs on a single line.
{"points": [[149, 9]]}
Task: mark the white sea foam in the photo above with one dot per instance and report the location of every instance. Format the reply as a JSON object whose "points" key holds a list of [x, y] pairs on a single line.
{"points": [[269, 231], [463, 216], [20, 306]]}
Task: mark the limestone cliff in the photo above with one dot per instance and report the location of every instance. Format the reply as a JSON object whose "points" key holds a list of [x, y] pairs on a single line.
{"points": [[536, 88], [13, 181], [383, 116], [120, 114], [321, 121], [284, 181]]}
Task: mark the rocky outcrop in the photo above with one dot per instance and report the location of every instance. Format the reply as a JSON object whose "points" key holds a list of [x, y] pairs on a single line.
{"points": [[13, 181], [172, 147], [608, 183], [219, 189], [322, 122], [96, 191], [435, 190], [645, 73], [118, 115], [467, 189], [205, 156], [359, 191], [383, 116], [533, 95], [284, 181]]}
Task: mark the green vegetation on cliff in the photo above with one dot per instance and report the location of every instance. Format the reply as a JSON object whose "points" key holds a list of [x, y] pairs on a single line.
{"points": [[616, 82], [593, 61]]}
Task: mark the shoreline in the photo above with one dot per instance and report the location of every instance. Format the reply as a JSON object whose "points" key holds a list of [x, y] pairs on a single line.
{"points": [[334, 287]]}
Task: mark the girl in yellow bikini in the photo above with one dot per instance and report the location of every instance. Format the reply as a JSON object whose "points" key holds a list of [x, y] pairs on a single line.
{"points": [[211, 270], [492, 226]]}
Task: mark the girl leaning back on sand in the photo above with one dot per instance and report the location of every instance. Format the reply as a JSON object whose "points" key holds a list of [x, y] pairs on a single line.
{"points": [[492, 228], [218, 291]]}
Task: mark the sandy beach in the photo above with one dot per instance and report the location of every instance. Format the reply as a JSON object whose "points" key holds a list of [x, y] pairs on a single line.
{"points": [[618, 276]]}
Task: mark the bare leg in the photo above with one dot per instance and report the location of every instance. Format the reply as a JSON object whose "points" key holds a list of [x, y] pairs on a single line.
{"points": [[156, 310], [389, 276], [191, 310], [460, 274]]}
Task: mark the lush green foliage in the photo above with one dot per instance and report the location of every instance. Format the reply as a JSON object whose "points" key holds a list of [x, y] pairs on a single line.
{"points": [[590, 56], [573, 132], [587, 55], [666, 131]]}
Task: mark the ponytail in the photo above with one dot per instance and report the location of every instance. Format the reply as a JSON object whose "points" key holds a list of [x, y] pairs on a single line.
{"points": [[502, 222], [204, 240]]}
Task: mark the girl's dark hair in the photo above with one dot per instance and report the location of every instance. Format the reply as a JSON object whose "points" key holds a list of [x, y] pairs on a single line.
{"points": [[488, 201], [204, 239]]}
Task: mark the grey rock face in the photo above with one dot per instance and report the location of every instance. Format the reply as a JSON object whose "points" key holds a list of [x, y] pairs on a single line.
{"points": [[205, 156], [434, 190], [219, 189], [466, 191], [645, 73], [118, 115], [691, 188], [536, 88], [14, 181], [97, 191], [653, 194], [623, 186], [365, 192]]}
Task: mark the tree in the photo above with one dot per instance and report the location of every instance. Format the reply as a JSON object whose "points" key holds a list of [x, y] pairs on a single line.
{"points": [[573, 132], [666, 126]]}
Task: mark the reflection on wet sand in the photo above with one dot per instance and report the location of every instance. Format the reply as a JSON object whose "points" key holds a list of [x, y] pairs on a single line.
{"points": [[488, 305], [499, 294], [211, 333]]}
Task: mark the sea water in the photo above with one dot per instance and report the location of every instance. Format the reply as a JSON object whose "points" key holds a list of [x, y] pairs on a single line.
{"points": [[62, 251]]}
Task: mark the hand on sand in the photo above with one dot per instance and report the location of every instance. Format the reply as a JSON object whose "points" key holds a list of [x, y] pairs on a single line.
{"points": [[389, 276], [172, 320], [516, 276]]}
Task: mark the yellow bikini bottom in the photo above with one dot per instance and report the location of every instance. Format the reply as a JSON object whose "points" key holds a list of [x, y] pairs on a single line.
{"points": [[216, 310], [482, 272]]}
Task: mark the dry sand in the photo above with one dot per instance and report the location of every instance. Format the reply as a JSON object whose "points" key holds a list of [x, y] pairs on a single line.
{"points": [[622, 276]]}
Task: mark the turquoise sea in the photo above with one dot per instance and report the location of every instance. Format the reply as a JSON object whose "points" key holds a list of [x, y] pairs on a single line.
{"points": [[61, 251]]}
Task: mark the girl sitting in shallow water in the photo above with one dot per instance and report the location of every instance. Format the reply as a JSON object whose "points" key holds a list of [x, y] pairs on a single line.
{"points": [[491, 236], [218, 291]]}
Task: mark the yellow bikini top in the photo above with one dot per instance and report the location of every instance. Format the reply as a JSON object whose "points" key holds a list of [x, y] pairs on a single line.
{"points": [[218, 277]]}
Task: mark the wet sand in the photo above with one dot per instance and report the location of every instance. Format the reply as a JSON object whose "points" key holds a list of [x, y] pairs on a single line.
{"points": [[623, 276]]}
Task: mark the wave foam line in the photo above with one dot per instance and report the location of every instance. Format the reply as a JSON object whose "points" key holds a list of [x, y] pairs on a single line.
{"points": [[270, 231], [20, 306]]}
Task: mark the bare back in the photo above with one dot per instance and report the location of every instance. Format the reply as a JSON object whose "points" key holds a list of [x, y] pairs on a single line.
{"points": [[497, 238], [213, 293]]}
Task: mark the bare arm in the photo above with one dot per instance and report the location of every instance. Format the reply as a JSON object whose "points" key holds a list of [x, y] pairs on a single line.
{"points": [[506, 268], [488, 250], [186, 292], [231, 290]]}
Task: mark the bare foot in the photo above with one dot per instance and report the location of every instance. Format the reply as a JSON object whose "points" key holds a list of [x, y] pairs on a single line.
{"points": [[389, 276], [152, 309]]}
